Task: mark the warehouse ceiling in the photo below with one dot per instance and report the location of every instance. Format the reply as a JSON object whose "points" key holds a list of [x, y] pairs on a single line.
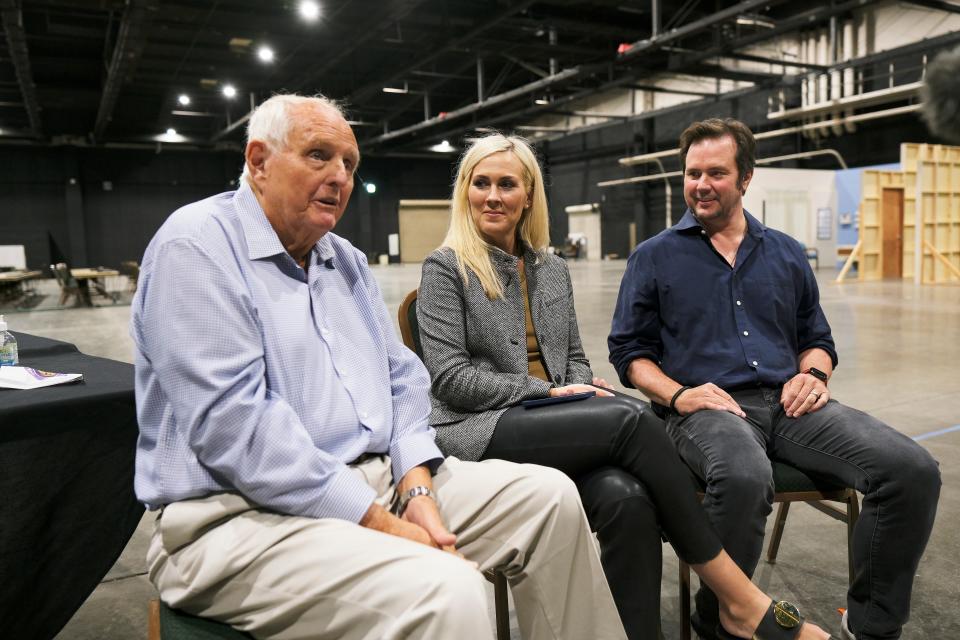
{"points": [[411, 72]]}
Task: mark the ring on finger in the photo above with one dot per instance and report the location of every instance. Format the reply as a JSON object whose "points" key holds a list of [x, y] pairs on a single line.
{"points": [[816, 396]]}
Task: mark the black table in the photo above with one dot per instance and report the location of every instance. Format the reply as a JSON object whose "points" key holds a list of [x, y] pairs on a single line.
{"points": [[67, 507]]}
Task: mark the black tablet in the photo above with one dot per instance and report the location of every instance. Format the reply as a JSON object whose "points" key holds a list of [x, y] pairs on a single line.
{"points": [[542, 402]]}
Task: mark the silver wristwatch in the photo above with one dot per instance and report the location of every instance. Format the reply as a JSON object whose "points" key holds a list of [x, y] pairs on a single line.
{"points": [[410, 494]]}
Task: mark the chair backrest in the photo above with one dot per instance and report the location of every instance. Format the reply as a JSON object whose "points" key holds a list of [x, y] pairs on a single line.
{"points": [[409, 327], [64, 277], [56, 274]]}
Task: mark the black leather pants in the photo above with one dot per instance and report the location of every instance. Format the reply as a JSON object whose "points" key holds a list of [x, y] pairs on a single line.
{"points": [[632, 484]]}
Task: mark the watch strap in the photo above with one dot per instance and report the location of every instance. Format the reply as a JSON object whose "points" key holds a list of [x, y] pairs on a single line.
{"points": [[412, 493]]}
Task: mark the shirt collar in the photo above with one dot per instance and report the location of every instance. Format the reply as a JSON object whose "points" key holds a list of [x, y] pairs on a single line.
{"points": [[689, 221], [262, 239]]}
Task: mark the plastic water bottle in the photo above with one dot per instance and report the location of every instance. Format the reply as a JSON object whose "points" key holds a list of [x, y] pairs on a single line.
{"points": [[8, 346]]}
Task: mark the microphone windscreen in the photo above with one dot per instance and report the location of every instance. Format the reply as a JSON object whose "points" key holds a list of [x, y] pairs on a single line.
{"points": [[941, 96]]}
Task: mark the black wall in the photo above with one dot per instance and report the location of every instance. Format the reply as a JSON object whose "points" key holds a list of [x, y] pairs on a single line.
{"points": [[91, 207]]}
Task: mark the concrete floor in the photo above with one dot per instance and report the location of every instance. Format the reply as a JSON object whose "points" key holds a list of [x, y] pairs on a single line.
{"points": [[899, 348]]}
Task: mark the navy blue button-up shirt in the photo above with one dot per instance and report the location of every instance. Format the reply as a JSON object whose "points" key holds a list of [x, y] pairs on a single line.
{"points": [[684, 307]]}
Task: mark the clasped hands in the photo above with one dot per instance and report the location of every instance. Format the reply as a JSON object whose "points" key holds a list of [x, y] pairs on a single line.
{"points": [[420, 522], [803, 393]]}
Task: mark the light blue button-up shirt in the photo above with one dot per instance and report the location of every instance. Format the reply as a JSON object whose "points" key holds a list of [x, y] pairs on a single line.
{"points": [[255, 376]]}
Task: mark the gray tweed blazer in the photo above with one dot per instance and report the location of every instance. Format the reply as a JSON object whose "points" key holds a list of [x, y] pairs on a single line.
{"points": [[476, 348]]}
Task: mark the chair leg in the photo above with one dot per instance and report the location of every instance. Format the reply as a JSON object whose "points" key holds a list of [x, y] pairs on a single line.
{"points": [[153, 619], [777, 532], [853, 513], [684, 600], [501, 605]]}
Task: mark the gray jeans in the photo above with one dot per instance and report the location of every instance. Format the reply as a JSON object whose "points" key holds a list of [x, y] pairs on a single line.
{"points": [[899, 480]]}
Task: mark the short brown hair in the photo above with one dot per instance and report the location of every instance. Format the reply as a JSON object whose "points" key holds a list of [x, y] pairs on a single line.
{"points": [[716, 128]]}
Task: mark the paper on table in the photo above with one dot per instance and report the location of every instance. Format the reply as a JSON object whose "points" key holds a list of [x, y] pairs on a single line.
{"points": [[28, 378]]}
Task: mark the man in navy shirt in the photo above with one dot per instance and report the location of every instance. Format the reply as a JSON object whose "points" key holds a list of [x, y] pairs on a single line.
{"points": [[718, 321]]}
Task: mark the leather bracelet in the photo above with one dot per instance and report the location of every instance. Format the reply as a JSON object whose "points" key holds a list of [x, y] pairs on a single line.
{"points": [[673, 400]]}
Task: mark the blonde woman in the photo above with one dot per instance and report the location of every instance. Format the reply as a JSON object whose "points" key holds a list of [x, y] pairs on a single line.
{"points": [[498, 326]]}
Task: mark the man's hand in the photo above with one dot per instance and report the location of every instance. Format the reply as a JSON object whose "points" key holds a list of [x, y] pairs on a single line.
{"points": [[707, 396], [803, 393], [423, 512], [379, 519], [571, 389]]}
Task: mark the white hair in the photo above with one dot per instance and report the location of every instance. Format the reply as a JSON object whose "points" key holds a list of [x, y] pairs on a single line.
{"points": [[271, 121]]}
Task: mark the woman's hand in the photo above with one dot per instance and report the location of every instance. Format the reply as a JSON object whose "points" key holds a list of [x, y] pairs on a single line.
{"points": [[600, 382], [570, 389]]}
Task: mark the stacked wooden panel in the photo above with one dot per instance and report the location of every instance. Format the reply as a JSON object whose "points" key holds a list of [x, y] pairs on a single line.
{"points": [[938, 188], [930, 180]]}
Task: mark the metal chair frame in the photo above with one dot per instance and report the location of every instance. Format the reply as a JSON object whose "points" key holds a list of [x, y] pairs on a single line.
{"points": [[816, 497]]}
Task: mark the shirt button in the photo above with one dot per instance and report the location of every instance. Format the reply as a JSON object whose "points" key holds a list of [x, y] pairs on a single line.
{"points": [[703, 232], [363, 414], [755, 363], [739, 303], [326, 331], [746, 333]]}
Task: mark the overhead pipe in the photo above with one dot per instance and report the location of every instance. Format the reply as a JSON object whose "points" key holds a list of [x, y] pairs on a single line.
{"points": [[848, 72], [666, 175], [766, 135], [537, 85], [479, 79]]}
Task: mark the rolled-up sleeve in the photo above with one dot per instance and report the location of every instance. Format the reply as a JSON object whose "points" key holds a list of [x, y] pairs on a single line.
{"points": [[635, 329], [813, 330]]}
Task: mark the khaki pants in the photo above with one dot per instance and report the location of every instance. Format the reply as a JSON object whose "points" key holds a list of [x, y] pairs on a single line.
{"points": [[278, 576]]}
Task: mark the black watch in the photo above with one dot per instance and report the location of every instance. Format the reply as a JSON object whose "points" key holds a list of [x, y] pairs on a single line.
{"points": [[816, 373]]}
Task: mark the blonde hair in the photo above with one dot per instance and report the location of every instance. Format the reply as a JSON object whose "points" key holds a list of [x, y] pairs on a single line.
{"points": [[473, 252]]}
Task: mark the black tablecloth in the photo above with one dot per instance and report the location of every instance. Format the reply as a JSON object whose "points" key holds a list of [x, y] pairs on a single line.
{"points": [[67, 507]]}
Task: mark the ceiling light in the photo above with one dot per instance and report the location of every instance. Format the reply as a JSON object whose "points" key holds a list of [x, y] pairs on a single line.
{"points": [[171, 132], [443, 147], [371, 187], [541, 101], [403, 89], [309, 10], [265, 54], [183, 99], [229, 91]]}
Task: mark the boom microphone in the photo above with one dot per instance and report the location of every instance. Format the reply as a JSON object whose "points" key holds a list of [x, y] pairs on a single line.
{"points": [[941, 96]]}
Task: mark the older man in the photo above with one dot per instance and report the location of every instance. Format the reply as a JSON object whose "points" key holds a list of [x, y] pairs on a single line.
{"points": [[719, 322], [284, 432]]}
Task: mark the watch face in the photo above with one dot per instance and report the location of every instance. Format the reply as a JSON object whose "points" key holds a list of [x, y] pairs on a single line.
{"points": [[816, 373], [786, 615]]}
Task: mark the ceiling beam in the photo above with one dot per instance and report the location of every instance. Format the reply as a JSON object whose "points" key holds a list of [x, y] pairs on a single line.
{"points": [[776, 61], [719, 71], [126, 53], [939, 5], [370, 88], [20, 56], [695, 27], [397, 11]]}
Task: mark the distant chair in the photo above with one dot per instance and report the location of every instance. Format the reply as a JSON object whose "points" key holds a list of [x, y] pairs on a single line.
{"points": [[68, 284], [131, 269]]}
